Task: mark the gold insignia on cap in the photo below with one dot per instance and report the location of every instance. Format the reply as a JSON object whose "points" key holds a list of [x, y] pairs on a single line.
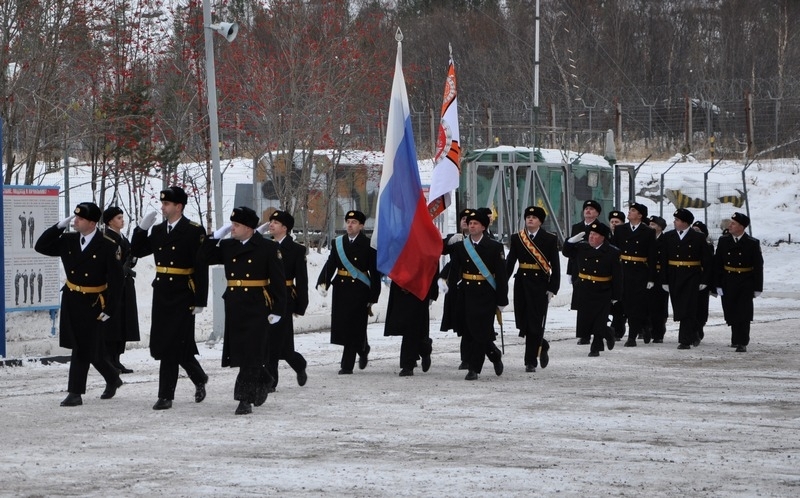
{"points": [[77, 210], [163, 195]]}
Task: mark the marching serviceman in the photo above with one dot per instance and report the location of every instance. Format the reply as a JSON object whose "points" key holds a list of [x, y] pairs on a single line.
{"points": [[599, 273], [351, 269], [618, 318], [637, 245], [703, 302], [685, 271], [180, 291], [739, 278], [448, 280], [657, 297], [537, 280], [255, 301], [89, 297], [591, 210], [125, 324], [281, 336], [482, 291], [409, 317]]}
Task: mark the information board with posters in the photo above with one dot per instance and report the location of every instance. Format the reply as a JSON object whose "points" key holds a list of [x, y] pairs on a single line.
{"points": [[32, 280]]}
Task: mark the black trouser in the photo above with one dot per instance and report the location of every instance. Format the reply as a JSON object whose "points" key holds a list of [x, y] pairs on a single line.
{"points": [[249, 382], [412, 348], [482, 350], [277, 340], [740, 333], [79, 370], [295, 360], [687, 331], [533, 340], [349, 354], [168, 374], [465, 347]]}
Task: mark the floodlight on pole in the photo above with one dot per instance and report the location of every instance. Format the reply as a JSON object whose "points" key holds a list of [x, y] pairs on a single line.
{"points": [[227, 29]]}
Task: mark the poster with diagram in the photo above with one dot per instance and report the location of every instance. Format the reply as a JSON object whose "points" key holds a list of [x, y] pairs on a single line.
{"points": [[32, 280]]}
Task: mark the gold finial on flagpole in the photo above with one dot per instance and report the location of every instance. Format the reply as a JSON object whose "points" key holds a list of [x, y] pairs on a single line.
{"points": [[398, 35]]}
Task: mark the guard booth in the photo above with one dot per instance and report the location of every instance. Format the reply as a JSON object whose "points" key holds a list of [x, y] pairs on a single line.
{"points": [[508, 179]]}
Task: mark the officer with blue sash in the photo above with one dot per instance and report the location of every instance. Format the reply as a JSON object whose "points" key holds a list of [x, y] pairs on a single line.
{"points": [[482, 291], [351, 270]]}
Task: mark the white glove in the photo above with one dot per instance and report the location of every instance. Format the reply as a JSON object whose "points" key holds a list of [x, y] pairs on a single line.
{"points": [[576, 238], [103, 317], [386, 281], [756, 293], [273, 319], [650, 285], [501, 308], [614, 301], [703, 286], [263, 228], [719, 291], [220, 233], [550, 296], [323, 290], [148, 220], [443, 288], [455, 239], [665, 287], [65, 222], [197, 310]]}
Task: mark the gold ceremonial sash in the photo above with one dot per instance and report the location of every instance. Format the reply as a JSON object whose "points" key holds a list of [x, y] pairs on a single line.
{"points": [[535, 252], [637, 259]]}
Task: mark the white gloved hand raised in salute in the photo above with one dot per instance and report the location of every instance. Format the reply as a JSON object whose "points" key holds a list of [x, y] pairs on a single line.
{"points": [[455, 239], [220, 233], [576, 238], [65, 222], [148, 220], [263, 229]]}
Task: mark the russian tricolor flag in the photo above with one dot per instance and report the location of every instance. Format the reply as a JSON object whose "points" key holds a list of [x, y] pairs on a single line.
{"points": [[407, 241]]}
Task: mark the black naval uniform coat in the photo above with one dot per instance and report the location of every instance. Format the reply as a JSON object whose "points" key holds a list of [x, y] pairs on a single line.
{"points": [[599, 281], [349, 312], [125, 324], [451, 319], [739, 271], [478, 301], [532, 284], [638, 256], [97, 265], [248, 306], [406, 314], [174, 295], [681, 271], [576, 228], [296, 274]]}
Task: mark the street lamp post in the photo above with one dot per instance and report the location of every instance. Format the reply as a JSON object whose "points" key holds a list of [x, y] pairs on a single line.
{"points": [[229, 31]]}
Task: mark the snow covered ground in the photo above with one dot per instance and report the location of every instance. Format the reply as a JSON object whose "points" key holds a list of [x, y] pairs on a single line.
{"points": [[650, 420]]}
